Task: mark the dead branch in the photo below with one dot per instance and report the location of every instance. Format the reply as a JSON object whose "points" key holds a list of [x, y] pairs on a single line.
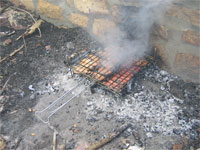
{"points": [[25, 44], [108, 139], [20, 9], [55, 133], [32, 29], [29, 15], [12, 54], [4, 86], [54, 140], [39, 32]]}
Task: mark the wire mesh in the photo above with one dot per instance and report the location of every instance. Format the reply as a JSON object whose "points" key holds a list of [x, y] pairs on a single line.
{"points": [[113, 79]]}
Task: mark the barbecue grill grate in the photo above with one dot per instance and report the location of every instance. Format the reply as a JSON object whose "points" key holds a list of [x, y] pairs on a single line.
{"points": [[113, 79]]}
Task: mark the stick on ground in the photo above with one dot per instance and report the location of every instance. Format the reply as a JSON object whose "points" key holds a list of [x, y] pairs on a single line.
{"points": [[32, 29], [108, 139], [54, 140], [31, 17], [4, 86], [55, 133], [25, 44], [12, 54]]}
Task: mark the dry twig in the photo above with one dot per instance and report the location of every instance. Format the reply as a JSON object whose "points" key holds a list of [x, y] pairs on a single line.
{"points": [[55, 133], [31, 17], [25, 44], [32, 29], [25, 12], [108, 139], [4, 86], [12, 54], [54, 140]]}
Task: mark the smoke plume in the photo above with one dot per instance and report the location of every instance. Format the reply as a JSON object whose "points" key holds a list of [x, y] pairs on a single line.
{"points": [[129, 40]]}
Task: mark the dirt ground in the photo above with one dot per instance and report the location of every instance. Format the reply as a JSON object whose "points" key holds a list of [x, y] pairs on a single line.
{"points": [[38, 74]]}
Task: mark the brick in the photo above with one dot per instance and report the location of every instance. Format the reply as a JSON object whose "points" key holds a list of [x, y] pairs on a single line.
{"points": [[189, 61], [191, 37], [135, 3], [193, 15], [161, 31], [28, 4], [69, 3], [116, 13], [177, 146], [91, 6], [186, 14], [101, 27], [50, 10], [16, 2], [78, 19]]}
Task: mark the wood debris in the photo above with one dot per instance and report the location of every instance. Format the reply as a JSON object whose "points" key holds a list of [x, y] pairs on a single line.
{"points": [[7, 42], [135, 147], [4, 86], [32, 29], [30, 16], [54, 140], [55, 133], [108, 139], [12, 54], [2, 143]]}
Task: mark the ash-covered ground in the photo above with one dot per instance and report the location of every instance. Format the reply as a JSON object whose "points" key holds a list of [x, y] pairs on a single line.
{"points": [[162, 109]]}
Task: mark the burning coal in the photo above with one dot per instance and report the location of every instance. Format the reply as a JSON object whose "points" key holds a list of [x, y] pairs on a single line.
{"points": [[129, 40]]}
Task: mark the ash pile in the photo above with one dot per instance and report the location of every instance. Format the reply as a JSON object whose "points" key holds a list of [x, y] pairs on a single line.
{"points": [[155, 102], [159, 103]]}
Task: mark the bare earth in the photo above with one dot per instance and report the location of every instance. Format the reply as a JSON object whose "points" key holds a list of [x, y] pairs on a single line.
{"points": [[162, 108]]}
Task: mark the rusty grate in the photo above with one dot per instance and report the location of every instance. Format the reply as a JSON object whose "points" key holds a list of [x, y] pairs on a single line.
{"points": [[111, 78]]}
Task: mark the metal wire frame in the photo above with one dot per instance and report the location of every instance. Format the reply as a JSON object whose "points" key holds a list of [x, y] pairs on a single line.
{"points": [[114, 81]]}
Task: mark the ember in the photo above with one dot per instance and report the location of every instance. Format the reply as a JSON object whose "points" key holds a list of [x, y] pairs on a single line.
{"points": [[115, 79]]}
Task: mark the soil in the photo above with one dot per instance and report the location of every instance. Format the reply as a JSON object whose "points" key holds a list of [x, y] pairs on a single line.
{"points": [[40, 74]]}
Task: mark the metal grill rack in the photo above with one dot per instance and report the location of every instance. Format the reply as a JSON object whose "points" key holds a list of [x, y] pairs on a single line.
{"points": [[115, 80]]}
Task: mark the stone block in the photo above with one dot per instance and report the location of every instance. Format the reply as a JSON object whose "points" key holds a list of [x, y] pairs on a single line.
{"points": [[91, 6], [28, 4], [189, 61], [116, 13], [103, 27], [191, 37], [78, 19], [50, 10], [187, 14], [135, 3], [69, 3]]}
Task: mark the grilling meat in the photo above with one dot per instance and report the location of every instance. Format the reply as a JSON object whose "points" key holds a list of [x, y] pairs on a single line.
{"points": [[114, 77], [80, 69]]}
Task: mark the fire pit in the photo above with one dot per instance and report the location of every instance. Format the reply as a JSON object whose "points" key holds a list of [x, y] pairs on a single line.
{"points": [[93, 65]]}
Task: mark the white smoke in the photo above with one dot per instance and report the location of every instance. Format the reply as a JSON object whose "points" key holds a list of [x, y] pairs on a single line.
{"points": [[130, 40]]}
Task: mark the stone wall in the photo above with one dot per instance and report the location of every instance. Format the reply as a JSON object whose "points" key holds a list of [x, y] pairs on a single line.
{"points": [[175, 37]]}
